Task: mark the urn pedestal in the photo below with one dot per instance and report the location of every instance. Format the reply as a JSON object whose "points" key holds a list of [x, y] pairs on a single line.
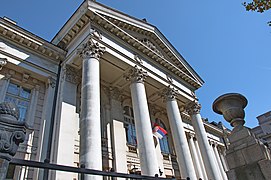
{"points": [[247, 157]]}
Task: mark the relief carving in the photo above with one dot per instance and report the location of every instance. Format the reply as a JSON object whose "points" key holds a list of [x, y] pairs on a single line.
{"points": [[72, 75], [193, 108], [150, 45], [91, 49], [3, 62], [169, 93], [12, 131]]}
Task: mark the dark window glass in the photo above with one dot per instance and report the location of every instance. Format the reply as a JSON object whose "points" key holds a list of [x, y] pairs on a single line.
{"points": [[20, 97], [130, 126]]}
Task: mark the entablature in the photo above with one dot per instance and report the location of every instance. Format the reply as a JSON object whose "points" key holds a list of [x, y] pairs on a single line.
{"points": [[30, 41]]}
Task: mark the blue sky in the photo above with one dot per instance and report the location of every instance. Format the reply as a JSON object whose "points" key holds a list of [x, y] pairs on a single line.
{"points": [[227, 46]]}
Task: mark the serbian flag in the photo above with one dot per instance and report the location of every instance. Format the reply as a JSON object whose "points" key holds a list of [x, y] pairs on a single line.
{"points": [[159, 131]]}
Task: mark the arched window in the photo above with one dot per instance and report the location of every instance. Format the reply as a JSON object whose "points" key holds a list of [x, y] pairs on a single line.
{"points": [[130, 126], [164, 141]]}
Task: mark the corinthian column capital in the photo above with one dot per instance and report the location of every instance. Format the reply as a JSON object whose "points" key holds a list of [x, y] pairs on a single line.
{"points": [[193, 108], [136, 74], [90, 49], [169, 93]]}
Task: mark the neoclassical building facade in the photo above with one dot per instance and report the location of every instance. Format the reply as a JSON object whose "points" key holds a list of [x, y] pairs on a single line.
{"points": [[92, 96]]}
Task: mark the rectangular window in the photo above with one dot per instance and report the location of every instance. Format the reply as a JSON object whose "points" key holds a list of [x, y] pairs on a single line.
{"points": [[20, 96], [131, 135]]}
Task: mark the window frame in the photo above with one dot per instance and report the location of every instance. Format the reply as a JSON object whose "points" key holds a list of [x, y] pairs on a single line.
{"points": [[19, 98]]}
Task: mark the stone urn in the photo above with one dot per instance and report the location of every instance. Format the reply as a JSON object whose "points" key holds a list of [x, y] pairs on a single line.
{"points": [[12, 133], [231, 106]]}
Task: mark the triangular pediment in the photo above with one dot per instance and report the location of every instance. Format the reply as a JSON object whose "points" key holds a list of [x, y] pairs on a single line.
{"points": [[154, 41], [138, 33]]}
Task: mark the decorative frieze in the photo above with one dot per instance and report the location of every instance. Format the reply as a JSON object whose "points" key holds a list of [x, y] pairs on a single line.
{"points": [[51, 82], [25, 77], [136, 74], [114, 93], [91, 49], [72, 75], [150, 45], [193, 108]]}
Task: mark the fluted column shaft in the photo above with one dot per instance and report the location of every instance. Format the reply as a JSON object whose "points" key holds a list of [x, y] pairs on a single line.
{"points": [[193, 109], [195, 156], [222, 157], [90, 122], [223, 174], [147, 154], [179, 138], [200, 160]]}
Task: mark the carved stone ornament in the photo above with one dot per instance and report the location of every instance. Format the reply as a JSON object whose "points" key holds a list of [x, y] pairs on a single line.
{"points": [[150, 45], [72, 75], [3, 62], [193, 108], [12, 131], [138, 59], [116, 94], [95, 33], [52, 82], [25, 77], [231, 106], [136, 74], [169, 79], [90, 49], [169, 93]]}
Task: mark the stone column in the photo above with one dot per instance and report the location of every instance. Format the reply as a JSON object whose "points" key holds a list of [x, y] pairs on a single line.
{"points": [[221, 152], [195, 156], [90, 121], [200, 159], [193, 109], [179, 138], [223, 174], [147, 154]]}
